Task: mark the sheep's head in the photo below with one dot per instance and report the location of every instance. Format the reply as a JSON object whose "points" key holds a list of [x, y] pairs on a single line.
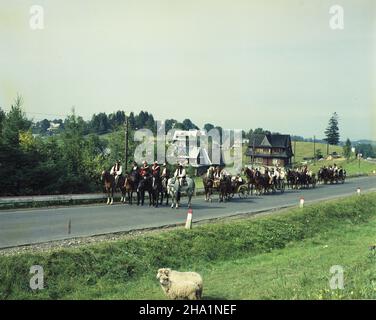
{"points": [[163, 272], [164, 281]]}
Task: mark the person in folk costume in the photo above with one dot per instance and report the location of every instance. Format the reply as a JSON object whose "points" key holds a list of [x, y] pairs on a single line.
{"points": [[165, 172], [216, 176], [282, 173], [210, 172], [276, 175], [270, 174], [180, 174], [145, 170], [134, 167], [224, 173], [335, 170], [155, 168], [116, 171]]}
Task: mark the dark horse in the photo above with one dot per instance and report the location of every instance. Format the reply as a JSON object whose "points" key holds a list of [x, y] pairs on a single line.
{"points": [[110, 186], [130, 184], [251, 181], [156, 189], [144, 185], [208, 183], [224, 188]]}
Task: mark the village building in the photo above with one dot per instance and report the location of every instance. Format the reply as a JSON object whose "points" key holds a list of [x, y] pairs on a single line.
{"points": [[270, 150]]}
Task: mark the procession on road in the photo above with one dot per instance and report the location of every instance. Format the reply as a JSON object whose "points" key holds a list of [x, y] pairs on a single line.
{"points": [[160, 184]]}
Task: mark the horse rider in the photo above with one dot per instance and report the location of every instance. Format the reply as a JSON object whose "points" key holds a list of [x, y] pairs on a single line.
{"points": [[224, 173], [237, 178], [134, 167], [155, 168], [165, 173], [216, 176], [145, 170], [180, 174], [116, 171], [210, 173], [282, 174]]}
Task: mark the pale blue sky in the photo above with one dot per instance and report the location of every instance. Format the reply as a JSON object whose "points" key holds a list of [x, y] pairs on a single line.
{"points": [[238, 64]]}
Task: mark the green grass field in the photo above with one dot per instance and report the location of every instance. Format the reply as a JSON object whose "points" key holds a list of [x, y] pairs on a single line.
{"points": [[305, 149], [282, 256]]}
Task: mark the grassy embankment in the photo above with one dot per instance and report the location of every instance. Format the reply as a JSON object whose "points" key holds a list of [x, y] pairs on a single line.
{"points": [[285, 256], [305, 150]]}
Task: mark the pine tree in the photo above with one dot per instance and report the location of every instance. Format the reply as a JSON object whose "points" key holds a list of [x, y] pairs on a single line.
{"points": [[332, 131]]}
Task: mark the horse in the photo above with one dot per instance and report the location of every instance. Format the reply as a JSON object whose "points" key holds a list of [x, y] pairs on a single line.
{"points": [[292, 179], [164, 192], [156, 189], [208, 184], [130, 184], [144, 185], [109, 185], [250, 175], [175, 190], [224, 188], [261, 182]]}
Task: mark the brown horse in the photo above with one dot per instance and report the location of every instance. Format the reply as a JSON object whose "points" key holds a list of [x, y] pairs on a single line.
{"points": [[251, 181], [109, 185], [130, 185], [208, 187]]}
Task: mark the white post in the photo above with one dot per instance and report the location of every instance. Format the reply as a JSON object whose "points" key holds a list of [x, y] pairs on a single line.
{"points": [[188, 223], [358, 191], [301, 203]]}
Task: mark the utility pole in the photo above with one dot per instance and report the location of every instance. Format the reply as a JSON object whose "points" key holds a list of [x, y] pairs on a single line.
{"points": [[314, 149], [253, 152], [294, 151], [126, 143]]}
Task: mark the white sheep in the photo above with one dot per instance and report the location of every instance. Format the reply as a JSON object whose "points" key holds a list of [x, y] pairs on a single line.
{"points": [[180, 285]]}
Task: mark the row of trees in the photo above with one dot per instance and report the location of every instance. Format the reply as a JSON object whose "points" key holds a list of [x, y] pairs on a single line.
{"points": [[103, 123], [70, 162]]}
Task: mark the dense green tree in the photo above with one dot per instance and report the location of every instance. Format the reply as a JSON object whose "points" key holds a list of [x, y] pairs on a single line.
{"points": [[347, 149], [366, 149], [189, 125], [332, 131], [170, 124], [132, 121], [208, 126], [44, 125], [14, 123], [2, 119]]}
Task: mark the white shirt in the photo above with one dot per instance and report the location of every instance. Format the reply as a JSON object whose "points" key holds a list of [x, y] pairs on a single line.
{"points": [[118, 172], [181, 175]]}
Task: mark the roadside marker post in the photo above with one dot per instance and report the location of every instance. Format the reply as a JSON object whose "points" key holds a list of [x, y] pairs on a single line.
{"points": [[69, 226], [358, 191], [301, 202], [188, 223]]}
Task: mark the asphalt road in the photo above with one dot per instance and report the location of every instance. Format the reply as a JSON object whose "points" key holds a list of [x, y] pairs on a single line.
{"points": [[28, 226]]}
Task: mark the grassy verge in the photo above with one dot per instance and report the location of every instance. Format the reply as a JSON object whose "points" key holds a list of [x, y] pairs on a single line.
{"points": [[283, 256]]}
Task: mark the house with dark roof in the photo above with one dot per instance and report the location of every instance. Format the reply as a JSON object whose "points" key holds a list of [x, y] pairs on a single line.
{"points": [[270, 150]]}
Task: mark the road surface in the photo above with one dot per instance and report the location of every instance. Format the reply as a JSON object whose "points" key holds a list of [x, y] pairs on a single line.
{"points": [[29, 226]]}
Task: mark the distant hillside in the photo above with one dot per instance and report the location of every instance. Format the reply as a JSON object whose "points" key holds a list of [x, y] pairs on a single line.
{"points": [[305, 149]]}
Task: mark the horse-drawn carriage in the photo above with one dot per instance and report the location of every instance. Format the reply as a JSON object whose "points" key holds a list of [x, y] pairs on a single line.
{"points": [[330, 175], [239, 187], [262, 183]]}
